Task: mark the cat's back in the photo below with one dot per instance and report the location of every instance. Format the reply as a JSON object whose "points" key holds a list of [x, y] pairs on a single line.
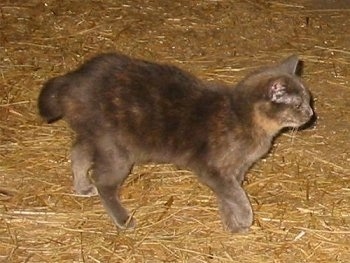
{"points": [[113, 88], [114, 76], [117, 68]]}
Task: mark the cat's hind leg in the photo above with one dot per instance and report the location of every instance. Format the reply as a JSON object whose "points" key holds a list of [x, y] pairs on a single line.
{"points": [[81, 158], [235, 208], [111, 167]]}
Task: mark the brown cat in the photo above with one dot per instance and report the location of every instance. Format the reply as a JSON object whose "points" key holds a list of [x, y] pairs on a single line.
{"points": [[126, 111]]}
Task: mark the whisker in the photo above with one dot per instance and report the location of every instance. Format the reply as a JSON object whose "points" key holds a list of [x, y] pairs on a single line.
{"points": [[293, 133]]}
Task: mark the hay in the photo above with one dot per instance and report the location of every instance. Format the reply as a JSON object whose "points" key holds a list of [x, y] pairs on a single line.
{"points": [[300, 192]]}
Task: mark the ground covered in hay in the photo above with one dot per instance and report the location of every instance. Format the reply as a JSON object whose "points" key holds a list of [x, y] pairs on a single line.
{"points": [[300, 191]]}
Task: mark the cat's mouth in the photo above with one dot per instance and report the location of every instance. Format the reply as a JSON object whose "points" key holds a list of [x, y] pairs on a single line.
{"points": [[293, 124], [297, 123]]}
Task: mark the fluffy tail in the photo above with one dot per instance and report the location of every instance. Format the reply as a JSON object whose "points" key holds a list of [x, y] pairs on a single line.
{"points": [[49, 101]]}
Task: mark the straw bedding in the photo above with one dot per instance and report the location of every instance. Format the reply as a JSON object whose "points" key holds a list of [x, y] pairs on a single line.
{"points": [[300, 192]]}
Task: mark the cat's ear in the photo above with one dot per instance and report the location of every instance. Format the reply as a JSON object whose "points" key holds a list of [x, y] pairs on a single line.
{"points": [[277, 92], [290, 65]]}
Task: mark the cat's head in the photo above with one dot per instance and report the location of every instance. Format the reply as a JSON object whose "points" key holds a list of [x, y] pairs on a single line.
{"points": [[281, 99]]}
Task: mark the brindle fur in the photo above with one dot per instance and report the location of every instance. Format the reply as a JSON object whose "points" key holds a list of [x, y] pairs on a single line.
{"points": [[126, 111]]}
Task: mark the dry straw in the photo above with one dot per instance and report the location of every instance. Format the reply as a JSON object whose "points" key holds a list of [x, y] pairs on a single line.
{"points": [[300, 192]]}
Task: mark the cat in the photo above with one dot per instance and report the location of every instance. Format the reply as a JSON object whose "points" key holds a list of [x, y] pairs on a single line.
{"points": [[126, 111]]}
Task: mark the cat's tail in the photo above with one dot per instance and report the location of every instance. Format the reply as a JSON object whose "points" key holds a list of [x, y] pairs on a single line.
{"points": [[49, 101]]}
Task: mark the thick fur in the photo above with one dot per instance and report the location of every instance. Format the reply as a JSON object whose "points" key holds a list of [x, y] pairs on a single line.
{"points": [[126, 111]]}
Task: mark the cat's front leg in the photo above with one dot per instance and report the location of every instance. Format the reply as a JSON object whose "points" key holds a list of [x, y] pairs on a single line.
{"points": [[235, 208], [236, 211]]}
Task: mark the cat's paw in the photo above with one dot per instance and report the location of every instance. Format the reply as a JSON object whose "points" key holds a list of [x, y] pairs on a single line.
{"points": [[87, 190], [236, 218], [126, 223], [233, 227]]}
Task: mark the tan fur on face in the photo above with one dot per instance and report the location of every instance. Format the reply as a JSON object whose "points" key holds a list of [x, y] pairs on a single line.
{"points": [[268, 125]]}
